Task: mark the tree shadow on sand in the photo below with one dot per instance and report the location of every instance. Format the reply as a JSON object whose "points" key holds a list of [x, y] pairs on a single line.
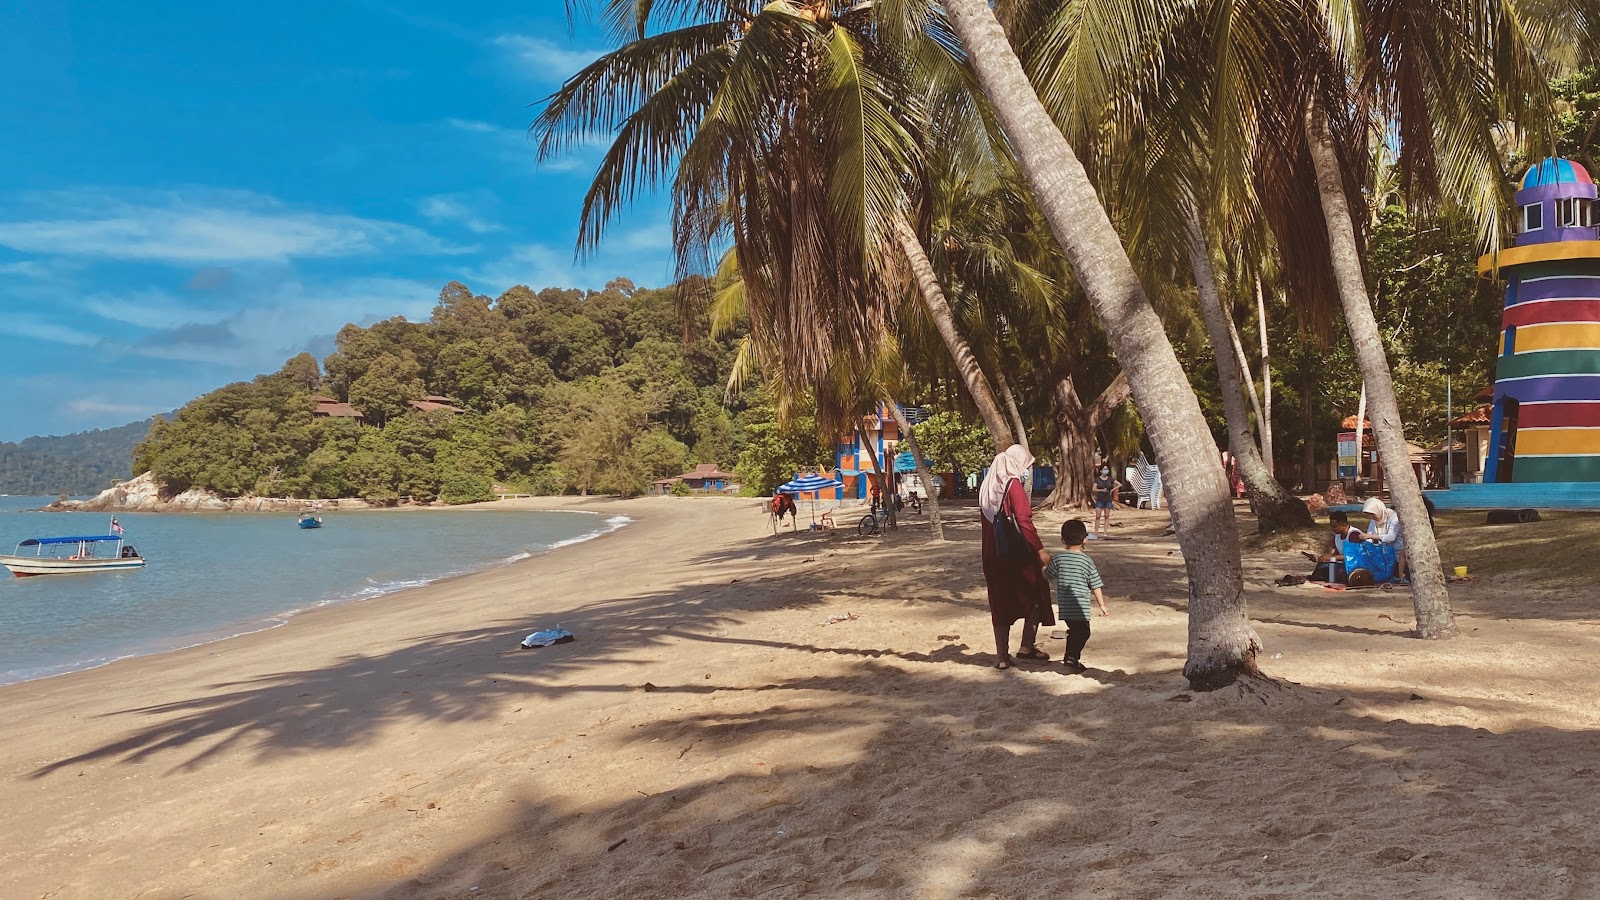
{"points": [[894, 780]]}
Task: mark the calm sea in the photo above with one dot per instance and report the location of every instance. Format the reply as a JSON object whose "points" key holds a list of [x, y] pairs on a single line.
{"points": [[213, 575]]}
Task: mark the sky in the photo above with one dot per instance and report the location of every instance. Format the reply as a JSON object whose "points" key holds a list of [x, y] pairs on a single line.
{"points": [[192, 192]]}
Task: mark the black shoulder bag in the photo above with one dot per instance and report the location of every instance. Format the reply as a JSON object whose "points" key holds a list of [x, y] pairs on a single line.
{"points": [[1008, 539]]}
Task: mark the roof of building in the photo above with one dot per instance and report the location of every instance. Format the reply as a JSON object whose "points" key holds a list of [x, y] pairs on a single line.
{"points": [[1350, 422], [1554, 170], [321, 399], [431, 405], [435, 398], [1480, 416], [337, 410], [705, 471]]}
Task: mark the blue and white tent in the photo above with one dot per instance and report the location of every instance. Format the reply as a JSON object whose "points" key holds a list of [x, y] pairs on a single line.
{"points": [[810, 484], [806, 484]]}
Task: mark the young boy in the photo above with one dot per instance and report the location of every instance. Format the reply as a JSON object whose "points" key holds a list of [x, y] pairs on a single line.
{"points": [[1077, 581]]}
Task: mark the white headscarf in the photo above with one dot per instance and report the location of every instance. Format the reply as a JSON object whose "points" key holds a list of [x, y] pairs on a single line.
{"points": [[1014, 463], [1375, 508]]}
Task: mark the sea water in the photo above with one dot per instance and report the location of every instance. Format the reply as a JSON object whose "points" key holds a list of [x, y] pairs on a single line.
{"points": [[214, 575]]}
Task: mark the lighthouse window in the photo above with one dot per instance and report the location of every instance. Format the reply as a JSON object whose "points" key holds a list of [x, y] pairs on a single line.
{"points": [[1533, 217], [1574, 212]]}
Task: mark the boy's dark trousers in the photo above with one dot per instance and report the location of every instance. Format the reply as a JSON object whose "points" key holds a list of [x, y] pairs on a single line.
{"points": [[1077, 636]]}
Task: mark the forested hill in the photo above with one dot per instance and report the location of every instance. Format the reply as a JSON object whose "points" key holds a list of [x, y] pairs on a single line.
{"points": [[83, 463], [544, 392]]}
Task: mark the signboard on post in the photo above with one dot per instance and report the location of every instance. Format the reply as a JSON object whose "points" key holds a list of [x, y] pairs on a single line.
{"points": [[1349, 455]]}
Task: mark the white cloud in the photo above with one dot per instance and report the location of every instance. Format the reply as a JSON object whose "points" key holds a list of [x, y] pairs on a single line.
{"points": [[473, 125], [95, 406], [209, 228], [656, 237], [26, 269], [37, 329], [545, 60], [458, 209]]}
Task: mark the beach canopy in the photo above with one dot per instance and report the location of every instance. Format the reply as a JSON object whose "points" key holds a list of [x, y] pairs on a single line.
{"points": [[34, 542], [906, 462], [808, 483]]}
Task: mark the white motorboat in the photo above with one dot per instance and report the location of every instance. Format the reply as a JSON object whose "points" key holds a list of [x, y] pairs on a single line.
{"points": [[67, 555]]}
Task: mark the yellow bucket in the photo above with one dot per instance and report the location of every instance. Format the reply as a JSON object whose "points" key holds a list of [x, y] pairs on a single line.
{"points": [[1461, 571]]}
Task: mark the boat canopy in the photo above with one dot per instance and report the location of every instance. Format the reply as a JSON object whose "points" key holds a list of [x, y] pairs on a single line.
{"points": [[34, 542]]}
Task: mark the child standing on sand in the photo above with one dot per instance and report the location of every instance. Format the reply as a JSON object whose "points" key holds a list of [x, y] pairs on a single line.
{"points": [[1077, 581]]}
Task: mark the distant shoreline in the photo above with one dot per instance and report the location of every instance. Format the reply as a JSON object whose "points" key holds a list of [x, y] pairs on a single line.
{"points": [[279, 618]]}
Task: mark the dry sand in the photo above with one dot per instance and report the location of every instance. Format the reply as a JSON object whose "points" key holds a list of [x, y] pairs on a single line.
{"points": [[709, 735]]}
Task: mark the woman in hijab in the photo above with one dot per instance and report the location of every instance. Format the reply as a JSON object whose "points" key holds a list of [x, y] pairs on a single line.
{"points": [[1017, 590], [1385, 529]]}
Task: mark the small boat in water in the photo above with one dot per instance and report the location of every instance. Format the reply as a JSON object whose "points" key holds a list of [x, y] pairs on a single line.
{"points": [[307, 520], [84, 556]]}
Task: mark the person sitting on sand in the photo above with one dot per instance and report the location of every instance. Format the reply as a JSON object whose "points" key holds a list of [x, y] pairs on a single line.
{"points": [[1077, 581], [1330, 563], [1016, 585], [1385, 529]]}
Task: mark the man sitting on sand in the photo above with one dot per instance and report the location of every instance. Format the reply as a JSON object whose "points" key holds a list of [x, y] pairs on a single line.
{"points": [[1330, 563]]}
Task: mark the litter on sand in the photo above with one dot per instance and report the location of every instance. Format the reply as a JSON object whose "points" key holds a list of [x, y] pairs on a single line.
{"points": [[547, 637], [840, 617]]}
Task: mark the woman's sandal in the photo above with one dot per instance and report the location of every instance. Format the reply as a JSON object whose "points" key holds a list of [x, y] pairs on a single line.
{"points": [[1033, 653], [1003, 664]]}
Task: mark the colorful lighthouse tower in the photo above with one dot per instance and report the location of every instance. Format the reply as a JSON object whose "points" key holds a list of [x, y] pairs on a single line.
{"points": [[1546, 425]]}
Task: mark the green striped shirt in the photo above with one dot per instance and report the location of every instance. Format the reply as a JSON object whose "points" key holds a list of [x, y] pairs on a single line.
{"points": [[1075, 578]]}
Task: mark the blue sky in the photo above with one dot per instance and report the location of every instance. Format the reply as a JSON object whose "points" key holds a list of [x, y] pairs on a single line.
{"points": [[192, 192]]}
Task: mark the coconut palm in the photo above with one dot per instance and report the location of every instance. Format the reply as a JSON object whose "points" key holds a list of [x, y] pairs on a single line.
{"points": [[1222, 646], [792, 133], [1291, 96]]}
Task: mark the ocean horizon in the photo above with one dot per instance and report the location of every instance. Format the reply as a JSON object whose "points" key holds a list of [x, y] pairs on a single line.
{"points": [[215, 575]]}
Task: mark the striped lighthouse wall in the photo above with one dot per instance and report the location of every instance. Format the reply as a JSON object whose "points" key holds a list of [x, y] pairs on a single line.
{"points": [[1550, 364]]}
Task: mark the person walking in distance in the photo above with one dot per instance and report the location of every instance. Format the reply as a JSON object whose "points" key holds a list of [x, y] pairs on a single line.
{"points": [[1105, 497]]}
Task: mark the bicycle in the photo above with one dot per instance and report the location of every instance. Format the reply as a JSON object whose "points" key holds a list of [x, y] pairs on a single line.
{"points": [[868, 525]]}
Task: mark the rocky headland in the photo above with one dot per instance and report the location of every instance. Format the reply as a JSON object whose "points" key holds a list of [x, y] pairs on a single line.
{"points": [[143, 493]]}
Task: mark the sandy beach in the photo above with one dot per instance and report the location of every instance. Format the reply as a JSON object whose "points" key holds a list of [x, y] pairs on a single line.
{"points": [[720, 728]]}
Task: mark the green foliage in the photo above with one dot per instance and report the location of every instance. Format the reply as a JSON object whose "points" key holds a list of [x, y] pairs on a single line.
{"points": [[680, 489], [1577, 124], [83, 463], [952, 440], [773, 453], [558, 390]]}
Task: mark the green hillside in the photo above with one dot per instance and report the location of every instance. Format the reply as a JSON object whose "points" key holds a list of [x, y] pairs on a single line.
{"points": [[83, 463], [548, 392]]}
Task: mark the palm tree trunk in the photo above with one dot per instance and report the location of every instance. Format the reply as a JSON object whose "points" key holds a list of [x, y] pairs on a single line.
{"points": [[1308, 456], [1429, 595], [1222, 645], [1249, 385], [883, 483], [1013, 412], [922, 468], [1276, 509], [1265, 418], [944, 321]]}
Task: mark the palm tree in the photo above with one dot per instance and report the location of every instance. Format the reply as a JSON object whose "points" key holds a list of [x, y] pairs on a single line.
{"points": [[1293, 94], [1222, 646], [792, 132]]}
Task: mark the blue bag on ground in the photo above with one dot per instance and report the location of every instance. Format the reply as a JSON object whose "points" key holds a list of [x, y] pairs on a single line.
{"points": [[547, 637], [1379, 559]]}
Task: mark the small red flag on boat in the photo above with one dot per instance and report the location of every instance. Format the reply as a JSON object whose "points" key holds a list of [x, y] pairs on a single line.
{"points": [[115, 525]]}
